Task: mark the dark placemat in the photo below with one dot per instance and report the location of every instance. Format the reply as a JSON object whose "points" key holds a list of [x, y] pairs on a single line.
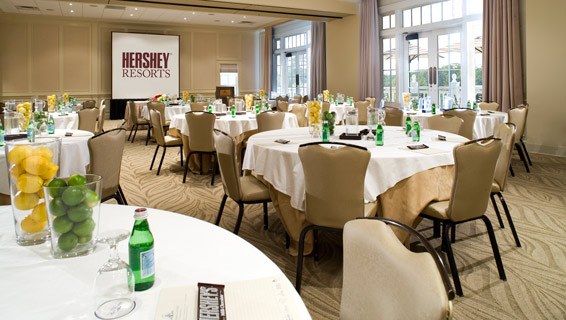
{"points": [[345, 136], [10, 137]]}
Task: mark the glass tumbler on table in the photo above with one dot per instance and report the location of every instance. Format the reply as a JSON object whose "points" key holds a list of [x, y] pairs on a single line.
{"points": [[352, 122], [372, 121]]}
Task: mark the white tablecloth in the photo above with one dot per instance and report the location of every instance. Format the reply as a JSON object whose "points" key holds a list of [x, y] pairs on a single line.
{"points": [[340, 110], [187, 251], [280, 165], [68, 122], [169, 111], [232, 126], [483, 125], [74, 156]]}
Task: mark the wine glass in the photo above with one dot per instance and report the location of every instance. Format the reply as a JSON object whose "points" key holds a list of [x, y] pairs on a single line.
{"points": [[114, 285]]}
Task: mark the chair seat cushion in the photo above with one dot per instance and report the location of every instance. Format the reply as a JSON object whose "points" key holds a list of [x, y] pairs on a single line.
{"points": [[495, 187], [142, 121], [437, 210], [253, 189], [171, 141]]}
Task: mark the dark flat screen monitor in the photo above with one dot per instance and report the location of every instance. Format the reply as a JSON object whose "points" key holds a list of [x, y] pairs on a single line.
{"points": [[224, 93]]}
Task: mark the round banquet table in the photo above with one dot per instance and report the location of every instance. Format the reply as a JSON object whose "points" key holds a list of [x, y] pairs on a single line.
{"points": [[74, 156], [169, 111], [36, 286], [484, 124], [340, 110], [389, 168], [70, 121]]}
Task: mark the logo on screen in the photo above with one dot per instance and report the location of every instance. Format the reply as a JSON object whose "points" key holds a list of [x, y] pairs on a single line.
{"points": [[146, 65]]}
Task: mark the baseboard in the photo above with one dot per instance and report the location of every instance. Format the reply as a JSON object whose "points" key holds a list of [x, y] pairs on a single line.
{"points": [[554, 151]]}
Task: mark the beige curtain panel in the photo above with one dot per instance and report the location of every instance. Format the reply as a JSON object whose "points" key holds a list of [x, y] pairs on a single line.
{"points": [[318, 58], [266, 60], [370, 53], [502, 64]]}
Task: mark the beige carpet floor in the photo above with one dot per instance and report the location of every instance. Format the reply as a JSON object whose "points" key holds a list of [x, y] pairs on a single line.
{"points": [[536, 273]]}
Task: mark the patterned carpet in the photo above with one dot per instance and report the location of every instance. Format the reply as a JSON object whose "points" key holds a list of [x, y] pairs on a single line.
{"points": [[536, 273]]}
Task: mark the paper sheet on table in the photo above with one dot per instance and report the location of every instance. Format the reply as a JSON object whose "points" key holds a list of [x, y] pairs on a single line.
{"points": [[451, 139], [426, 151], [265, 298]]}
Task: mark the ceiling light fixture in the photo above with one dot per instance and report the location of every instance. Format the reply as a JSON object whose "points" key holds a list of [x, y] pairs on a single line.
{"points": [[70, 3], [244, 17], [131, 14], [194, 12], [136, 9], [232, 21], [72, 11], [185, 18]]}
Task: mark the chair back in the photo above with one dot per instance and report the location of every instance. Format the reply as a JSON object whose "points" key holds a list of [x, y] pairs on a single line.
{"points": [[298, 97], [201, 126], [393, 116], [518, 117], [491, 106], [270, 120], [325, 107], [87, 119], [305, 99], [158, 106], [362, 107], [133, 112], [198, 106], [100, 119], [447, 124], [371, 101], [382, 279], [107, 164], [155, 120], [226, 157], [300, 111], [89, 104], [282, 106], [334, 182], [475, 163], [469, 117], [505, 132]]}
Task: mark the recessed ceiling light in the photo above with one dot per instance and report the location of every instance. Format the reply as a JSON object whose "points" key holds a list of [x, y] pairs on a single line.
{"points": [[131, 14], [244, 17], [70, 3], [194, 12], [72, 11], [136, 9], [232, 21], [185, 18]]}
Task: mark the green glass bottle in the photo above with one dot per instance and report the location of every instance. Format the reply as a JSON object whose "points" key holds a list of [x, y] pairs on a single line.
{"points": [[469, 105], [416, 133], [233, 112], [51, 125], [408, 122], [475, 106], [210, 108], [379, 135], [141, 251], [325, 131], [30, 130], [1, 135], [433, 108]]}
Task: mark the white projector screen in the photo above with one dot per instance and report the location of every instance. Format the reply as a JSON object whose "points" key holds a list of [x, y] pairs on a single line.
{"points": [[144, 65]]}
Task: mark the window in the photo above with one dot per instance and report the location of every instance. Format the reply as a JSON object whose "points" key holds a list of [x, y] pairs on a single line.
{"points": [[388, 22], [229, 76], [389, 67], [439, 11]]}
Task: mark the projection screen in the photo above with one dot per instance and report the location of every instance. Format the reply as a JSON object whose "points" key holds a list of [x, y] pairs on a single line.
{"points": [[144, 65]]}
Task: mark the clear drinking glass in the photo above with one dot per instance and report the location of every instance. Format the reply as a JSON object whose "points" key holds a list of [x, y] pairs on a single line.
{"points": [[114, 284], [352, 122], [372, 122]]}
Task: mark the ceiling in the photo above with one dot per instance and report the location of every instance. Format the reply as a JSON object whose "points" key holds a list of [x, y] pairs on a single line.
{"points": [[229, 13]]}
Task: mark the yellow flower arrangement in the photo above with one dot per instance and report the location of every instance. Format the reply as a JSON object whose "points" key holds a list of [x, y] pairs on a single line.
{"points": [[261, 93], [249, 101], [326, 94], [314, 110], [65, 97], [185, 96]]}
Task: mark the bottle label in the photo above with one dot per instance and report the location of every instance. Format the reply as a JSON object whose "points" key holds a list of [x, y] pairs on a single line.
{"points": [[147, 263]]}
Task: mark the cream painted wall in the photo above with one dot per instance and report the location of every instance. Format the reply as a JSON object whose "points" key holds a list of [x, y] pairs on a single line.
{"points": [[545, 76], [342, 55], [44, 55]]}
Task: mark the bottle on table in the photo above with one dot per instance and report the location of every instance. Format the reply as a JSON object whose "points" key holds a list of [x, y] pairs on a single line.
{"points": [[210, 108], [51, 125], [433, 108], [142, 259], [416, 132], [408, 122], [1, 135], [325, 131], [379, 135], [30, 130], [475, 106], [469, 105], [266, 106], [233, 112], [257, 108]]}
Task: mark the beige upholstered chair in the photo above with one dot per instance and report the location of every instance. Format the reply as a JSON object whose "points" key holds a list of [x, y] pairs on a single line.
{"points": [[382, 279], [162, 140], [87, 119], [243, 190], [469, 117], [305, 99], [505, 132], [270, 120], [475, 163], [300, 111], [106, 151], [159, 106], [325, 107], [329, 208], [136, 122], [393, 116], [518, 116], [489, 106], [444, 123], [298, 97], [371, 101], [282, 106], [362, 107], [100, 119], [199, 106], [89, 104], [201, 139]]}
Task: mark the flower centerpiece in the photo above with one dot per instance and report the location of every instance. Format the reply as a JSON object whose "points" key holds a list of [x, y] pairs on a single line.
{"points": [[65, 97]]}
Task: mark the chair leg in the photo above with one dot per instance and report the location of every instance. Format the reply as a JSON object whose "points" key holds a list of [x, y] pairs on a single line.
{"points": [[443, 245], [496, 210], [526, 152], [148, 134], [453, 234], [494, 247], [122, 195], [213, 170], [509, 219], [186, 167], [135, 132], [435, 229], [181, 156], [265, 218], [221, 210], [118, 198], [153, 160], [287, 241], [200, 155], [451, 259], [300, 260], [522, 156], [240, 216], [162, 157], [131, 131]]}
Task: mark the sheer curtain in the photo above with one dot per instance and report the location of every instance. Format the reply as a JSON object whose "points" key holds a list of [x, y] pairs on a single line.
{"points": [[502, 64], [370, 53], [266, 61], [318, 59]]}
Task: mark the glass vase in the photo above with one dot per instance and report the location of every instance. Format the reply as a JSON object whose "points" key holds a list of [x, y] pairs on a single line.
{"points": [[315, 123], [73, 210], [30, 166]]}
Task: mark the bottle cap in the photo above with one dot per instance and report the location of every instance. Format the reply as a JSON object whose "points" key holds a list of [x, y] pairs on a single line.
{"points": [[140, 214]]}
